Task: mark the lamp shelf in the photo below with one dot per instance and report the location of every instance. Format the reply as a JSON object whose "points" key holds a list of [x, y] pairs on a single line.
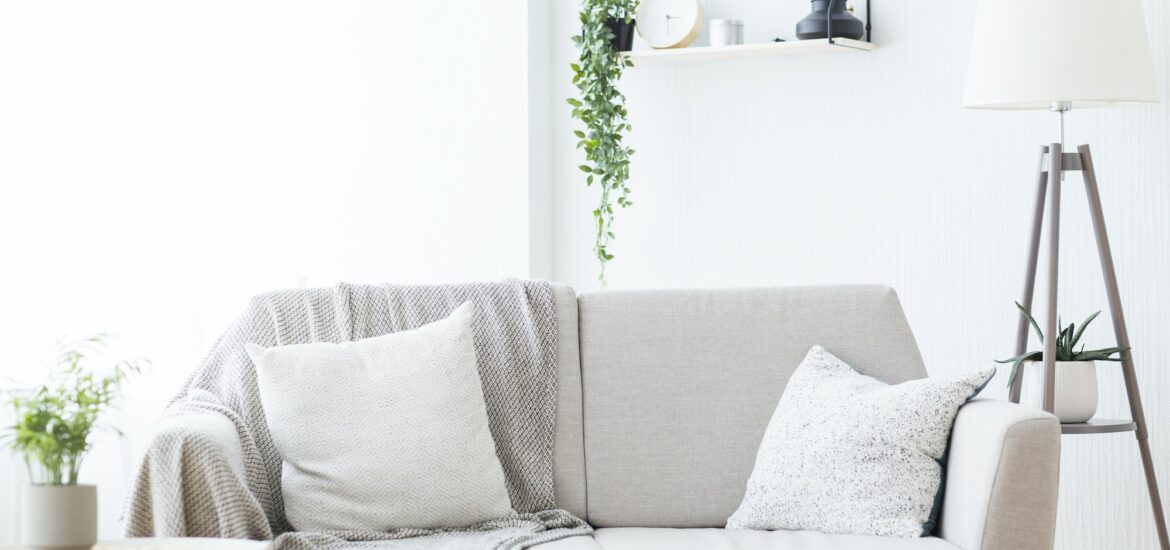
{"points": [[1099, 426], [764, 49]]}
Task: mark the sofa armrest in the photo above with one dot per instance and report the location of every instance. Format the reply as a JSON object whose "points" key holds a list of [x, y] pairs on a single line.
{"points": [[1002, 477], [191, 482]]}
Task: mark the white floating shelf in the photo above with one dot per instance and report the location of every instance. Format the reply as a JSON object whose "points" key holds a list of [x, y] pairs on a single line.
{"points": [[779, 49]]}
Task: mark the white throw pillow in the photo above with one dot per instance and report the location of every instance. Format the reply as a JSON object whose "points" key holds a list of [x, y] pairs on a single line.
{"points": [[383, 433], [845, 453]]}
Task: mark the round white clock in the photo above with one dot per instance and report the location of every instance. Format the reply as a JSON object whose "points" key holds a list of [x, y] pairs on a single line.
{"points": [[669, 23]]}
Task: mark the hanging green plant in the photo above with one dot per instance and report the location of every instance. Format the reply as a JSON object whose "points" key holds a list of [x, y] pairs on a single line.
{"points": [[602, 108]]}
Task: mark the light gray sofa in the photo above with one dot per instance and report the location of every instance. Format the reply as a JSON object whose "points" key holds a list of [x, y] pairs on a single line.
{"points": [[664, 397]]}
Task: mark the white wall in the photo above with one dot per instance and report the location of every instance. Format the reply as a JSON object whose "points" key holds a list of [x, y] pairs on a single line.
{"points": [[864, 168], [162, 161]]}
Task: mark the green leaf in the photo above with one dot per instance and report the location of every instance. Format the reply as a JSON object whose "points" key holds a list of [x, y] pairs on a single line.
{"points": [[1012, 375], [1016, 362], [574, 102], [1031, 320], [1084, 325], [1104, 354], [1062, 348], [1022, 357], [585, 168]]}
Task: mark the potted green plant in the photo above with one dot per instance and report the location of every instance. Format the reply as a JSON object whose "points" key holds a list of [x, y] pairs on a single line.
{"points": [[1075, 386], [602, 108], [54, 422]]}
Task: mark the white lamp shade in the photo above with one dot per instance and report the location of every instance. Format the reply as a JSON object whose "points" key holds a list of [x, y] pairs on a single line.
{"points": [[1026, 54]]}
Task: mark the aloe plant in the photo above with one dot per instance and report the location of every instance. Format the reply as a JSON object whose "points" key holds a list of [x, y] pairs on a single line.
{"points": [[1066, 343]]}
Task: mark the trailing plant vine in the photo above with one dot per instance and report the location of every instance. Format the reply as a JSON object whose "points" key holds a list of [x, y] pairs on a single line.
{"points": [[602, 108]]}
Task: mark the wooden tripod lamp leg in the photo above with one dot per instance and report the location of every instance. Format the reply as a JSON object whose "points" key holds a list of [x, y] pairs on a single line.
{"points": [[1122, 333], [1055, 166], [1030, 276]]}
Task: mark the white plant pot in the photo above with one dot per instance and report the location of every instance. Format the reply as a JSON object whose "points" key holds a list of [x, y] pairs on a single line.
{"points": [[1075, 389], [60, 517]]}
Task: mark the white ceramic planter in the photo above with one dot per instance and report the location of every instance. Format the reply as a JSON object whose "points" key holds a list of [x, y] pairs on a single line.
{"points": [[1075, 389], [60, 517]]}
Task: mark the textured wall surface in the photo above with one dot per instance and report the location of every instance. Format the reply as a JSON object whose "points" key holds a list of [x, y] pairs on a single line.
{"points": [[162, 161], [865, 168]]}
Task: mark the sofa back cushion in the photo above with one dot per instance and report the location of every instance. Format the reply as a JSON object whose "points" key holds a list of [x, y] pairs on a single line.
{"points": [[679, 386]]}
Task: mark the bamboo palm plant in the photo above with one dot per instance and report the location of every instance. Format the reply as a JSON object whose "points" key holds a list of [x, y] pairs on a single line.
{"points": [[54, 420]]}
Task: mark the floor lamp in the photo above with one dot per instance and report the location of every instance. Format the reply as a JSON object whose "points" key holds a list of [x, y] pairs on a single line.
{"points": [[1056, 55]]}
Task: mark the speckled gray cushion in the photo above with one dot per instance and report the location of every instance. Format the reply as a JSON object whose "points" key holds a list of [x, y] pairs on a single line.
{"points": [[845, 453]]}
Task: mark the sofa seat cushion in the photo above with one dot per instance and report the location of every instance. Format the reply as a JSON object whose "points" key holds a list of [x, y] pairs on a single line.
{"points": [[648, 538], [583, 542]]}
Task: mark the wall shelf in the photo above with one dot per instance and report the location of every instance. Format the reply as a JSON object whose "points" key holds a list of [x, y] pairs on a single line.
{"points": [[765, 49]]}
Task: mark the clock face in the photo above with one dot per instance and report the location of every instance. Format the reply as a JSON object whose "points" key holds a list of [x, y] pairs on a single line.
{"points": [[669, 23]]}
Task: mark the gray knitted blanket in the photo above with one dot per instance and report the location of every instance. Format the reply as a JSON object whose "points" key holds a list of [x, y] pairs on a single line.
{"points": [[212, 469]]}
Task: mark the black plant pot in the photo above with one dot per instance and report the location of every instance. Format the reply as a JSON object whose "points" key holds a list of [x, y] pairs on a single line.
{"points": [[623, 33], [816, 24]]}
